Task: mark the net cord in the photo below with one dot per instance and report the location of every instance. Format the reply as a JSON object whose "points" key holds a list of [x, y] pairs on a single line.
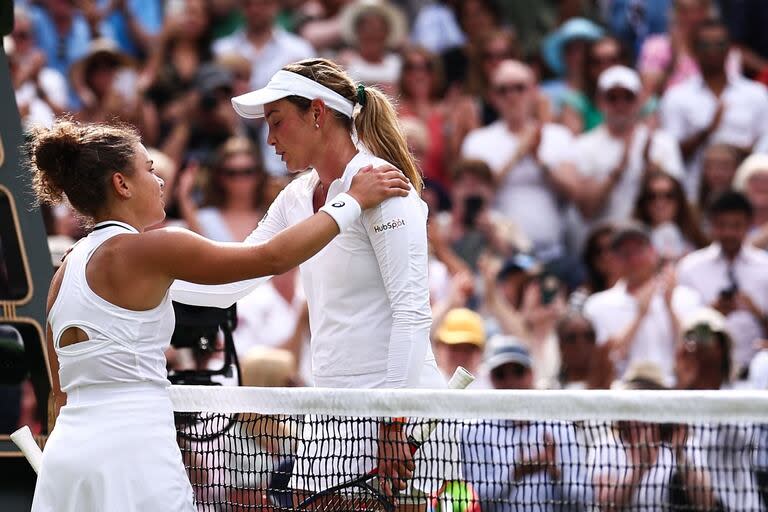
{"points": [[556, 405]]}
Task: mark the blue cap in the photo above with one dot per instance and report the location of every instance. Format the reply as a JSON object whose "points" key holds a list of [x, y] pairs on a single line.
{"points": [[520, 262], [572, 30], [507, 349]]}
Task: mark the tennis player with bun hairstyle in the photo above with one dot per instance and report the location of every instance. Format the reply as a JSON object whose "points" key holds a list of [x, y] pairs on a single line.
{"points": [[110, 316], [367, 290]]}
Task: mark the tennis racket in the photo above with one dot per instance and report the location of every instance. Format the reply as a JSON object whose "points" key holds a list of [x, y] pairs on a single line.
{"points": [[26, 442], [362, 493]]}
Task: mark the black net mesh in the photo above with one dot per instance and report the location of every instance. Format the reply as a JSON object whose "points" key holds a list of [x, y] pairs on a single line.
{"points": [[249, 461]]}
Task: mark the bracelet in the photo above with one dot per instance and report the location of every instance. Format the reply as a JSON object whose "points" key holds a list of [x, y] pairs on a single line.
{"points": [[344, 209]]}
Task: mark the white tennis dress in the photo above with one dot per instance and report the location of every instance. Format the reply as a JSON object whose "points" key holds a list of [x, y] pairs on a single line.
{"points": [[114, 444], [369, 315]]}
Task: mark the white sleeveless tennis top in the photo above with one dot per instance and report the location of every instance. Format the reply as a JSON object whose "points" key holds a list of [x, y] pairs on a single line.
{"points": [[123, 345]]}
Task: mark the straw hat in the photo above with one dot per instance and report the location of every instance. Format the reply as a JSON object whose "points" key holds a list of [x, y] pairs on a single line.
{"points": [[101, 47], [395, 18]]}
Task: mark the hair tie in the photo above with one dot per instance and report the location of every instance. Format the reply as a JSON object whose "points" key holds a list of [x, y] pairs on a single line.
{"points": [[361, 94]]}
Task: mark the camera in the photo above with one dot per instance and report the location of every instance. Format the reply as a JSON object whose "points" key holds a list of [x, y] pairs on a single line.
{"points": [[197, 328]]}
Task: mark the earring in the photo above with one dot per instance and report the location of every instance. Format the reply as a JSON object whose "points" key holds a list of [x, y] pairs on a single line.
{"points": [[317, 126]]}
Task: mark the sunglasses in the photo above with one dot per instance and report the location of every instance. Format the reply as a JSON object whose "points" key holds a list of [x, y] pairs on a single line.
{"points": [[614, 97], [668, 195], [505, 89], [238, 173], [573, 337], [508, 370]]}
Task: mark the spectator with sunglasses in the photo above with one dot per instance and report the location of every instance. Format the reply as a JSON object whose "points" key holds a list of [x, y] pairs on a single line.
{"points": [[732, 276], [613, 157], [447, 120], [233, 197], [664, 209], [579, 109], [527, 158], [703, 362], [713, 107]]}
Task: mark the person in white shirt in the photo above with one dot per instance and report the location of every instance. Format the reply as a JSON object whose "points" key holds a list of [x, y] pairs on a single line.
{"points": [[367, 293], [522, 465], [703, 361], [614, 157], [714, 107], [525, 157], [732, 276], [268, 48], [639, 316]]}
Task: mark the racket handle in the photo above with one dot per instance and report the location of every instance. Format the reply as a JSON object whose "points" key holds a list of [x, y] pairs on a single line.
{"points": [[26, 442], [460, 379]]}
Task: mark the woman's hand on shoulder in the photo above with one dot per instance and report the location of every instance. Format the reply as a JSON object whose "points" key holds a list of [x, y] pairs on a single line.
{"points": [[372, 186]]}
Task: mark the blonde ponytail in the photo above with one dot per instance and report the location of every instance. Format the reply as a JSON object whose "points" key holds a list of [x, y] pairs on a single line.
{"points": [[378, 129], [376, 124]]}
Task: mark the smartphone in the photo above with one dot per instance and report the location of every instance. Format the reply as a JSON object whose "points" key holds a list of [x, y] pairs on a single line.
{"points": [[549, 286], [473, 205]]}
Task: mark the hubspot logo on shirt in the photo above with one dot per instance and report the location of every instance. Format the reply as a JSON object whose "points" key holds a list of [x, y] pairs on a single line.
{"points": [[392, 224]]}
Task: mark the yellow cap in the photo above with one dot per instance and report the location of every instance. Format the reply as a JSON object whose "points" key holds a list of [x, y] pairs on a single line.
{"points": [[462, 326]]}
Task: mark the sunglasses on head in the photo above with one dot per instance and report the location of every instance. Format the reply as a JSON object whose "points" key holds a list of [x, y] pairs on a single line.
{"points": [[235, 173], [508, 370], [505, 89]]}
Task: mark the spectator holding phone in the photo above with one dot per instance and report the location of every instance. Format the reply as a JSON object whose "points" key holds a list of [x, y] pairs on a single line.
{"points": [[732, 276], [526, 158], [473, 225]]}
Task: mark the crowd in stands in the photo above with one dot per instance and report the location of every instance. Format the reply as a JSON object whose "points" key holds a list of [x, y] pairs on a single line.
{"points": [[596, 174], [597, 171]]}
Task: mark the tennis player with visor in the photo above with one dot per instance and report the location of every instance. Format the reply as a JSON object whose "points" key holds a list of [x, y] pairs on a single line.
{"points": [[367, 291]]}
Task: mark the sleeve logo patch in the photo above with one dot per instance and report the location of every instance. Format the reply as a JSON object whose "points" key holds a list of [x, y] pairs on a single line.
{"points": [[385, 226]]}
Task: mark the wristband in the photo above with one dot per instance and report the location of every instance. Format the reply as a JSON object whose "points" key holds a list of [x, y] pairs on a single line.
{"points": [[344, 209]]}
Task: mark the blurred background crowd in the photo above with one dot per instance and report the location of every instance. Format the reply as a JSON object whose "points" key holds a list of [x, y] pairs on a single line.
{"points": [[597, 171]]}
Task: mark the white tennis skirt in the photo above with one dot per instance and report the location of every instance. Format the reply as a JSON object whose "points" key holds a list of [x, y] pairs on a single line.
{"points": [[114, 448]]}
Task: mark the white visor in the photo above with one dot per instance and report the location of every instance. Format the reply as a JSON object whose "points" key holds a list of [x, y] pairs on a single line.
{"points": [[284, 84]]}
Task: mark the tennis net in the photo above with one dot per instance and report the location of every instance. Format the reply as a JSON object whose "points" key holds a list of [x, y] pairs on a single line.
{"points": [[482, 451]]}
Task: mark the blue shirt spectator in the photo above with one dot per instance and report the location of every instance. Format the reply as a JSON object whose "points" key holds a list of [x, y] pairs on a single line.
{"points": [[147, 13], [61, 50]]}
